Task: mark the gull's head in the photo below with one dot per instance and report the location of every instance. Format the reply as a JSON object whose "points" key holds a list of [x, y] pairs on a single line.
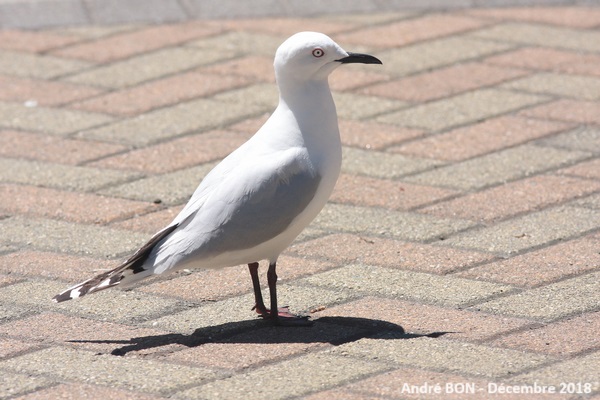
{"points": [[309, 56]]}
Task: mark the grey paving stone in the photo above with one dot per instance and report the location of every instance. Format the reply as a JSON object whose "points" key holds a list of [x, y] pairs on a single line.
{"points": [[263, 95], [67, 237], [436, 53], [543, 35], [528, 231], [111, 305], [585, 138], [352, 106], [572, 296], [54, 121], [60, 176], [443, 355], [14, 384], [10, 312], [382, 165], [592, 201], [499, 167], [396, 283], [174, 121], [145, 67], [238, 44], [461, 109], [116, 11], [37, 66], [287, 379], [172, 188], [564, 85], [395, 224], [124, 372]]}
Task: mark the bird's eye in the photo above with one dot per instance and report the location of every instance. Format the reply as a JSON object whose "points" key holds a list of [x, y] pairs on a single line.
{"points": [[318, 52]]}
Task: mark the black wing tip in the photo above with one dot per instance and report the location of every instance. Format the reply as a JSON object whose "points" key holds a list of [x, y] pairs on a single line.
{"points": [[59, 298]]}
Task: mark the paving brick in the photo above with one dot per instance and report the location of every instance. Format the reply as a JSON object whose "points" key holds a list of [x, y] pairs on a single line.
{"points": [[147, 66], [159, 93], [288, 26], [255, 67], [50, 235], [461, 109], [109, 306], [496, 168], [582, 369], [45, 93], [128, 44], [358, 107], [72, 391], [437, 53], [348, 249], [442, 354], [68, 206], [365, 191], [32, 41], [548, 59], [51, 328], [117, 372], [151, 222], [480, 138], [592, 201], [541, 266], [214, 284], [11, 347], [421, 319], [410, 31], [584, 139], [513, 198], [28, 65], [576, 86], [575, 17], [543, 35], [263, 95], [406, 285], [178, 153], [531, 230], [235, 313], [237, 44], [53, 265], [173, 121], [547, 303], [562, 338], [346, 79], [395, 224], [48, 120], [586, 169], [15, 384], [171, 189], [19, 144], [59, 176], [567, 110], [94, 31], [443, 82], [288, 378], [372, 135], [382, 165]]}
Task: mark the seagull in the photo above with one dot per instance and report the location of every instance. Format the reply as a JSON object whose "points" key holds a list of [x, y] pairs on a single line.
{"points": [[256, 201]]}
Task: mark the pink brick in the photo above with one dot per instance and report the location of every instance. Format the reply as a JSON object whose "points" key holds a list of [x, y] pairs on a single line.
{"points": [[563, 338], [254, 67], [250, 125], [586, 169], [344, 79], [160, 93], [69, 206], [372, 192], [140, 41], [346, 248], [513, 198], [411, 31], [149, 223], [587, 112], [426, 319], [53, 149], [53, 265], [373, 135], [177, 153], [10, 347], [46, 93], [73, 391], [575, 17], [541, 266], [285, 27], [547, 59], [484, 137], [32, 41], [444, 82]]}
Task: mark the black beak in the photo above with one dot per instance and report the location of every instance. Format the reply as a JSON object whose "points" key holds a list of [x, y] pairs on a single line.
{"points": [[354, 58]]}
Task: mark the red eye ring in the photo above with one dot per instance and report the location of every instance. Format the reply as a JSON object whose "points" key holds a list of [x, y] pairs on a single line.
{"points": [[318, 52]]}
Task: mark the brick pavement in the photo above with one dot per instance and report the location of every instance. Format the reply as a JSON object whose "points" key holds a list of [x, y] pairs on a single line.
{"points": [[461, 245]]}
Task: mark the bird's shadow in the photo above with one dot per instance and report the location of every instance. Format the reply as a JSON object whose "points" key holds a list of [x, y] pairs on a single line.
{"points": [[333, 330]]}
